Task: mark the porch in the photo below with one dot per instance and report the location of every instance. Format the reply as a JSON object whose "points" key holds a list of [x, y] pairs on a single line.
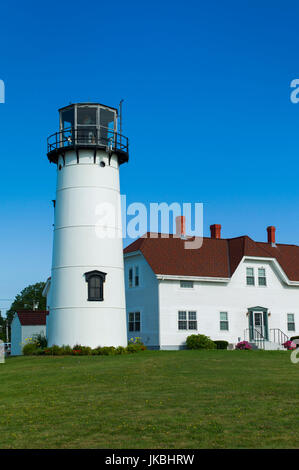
{"points": [[258, 332]]}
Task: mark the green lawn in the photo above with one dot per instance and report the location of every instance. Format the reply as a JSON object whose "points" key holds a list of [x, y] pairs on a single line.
{"points": [[154, 399]]}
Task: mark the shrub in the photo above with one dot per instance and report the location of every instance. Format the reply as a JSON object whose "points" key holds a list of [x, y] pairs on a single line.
{"points": [[79, 350], [221, 344], [29, 349], [243, 345], [39, 352], [85, 350], [133, 348], [66, 350], [121, 350], [40, 340], [200, 342], [54, 351], [33, 348], [135, 345], [57, 350], [106, 351]]}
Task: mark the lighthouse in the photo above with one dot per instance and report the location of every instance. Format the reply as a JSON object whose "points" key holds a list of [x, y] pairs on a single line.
{"points": [[87, 294]]}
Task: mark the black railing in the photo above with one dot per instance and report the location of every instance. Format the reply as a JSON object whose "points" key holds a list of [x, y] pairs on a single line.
{"points": [[255, 336], [276, 336], [88, 136]]}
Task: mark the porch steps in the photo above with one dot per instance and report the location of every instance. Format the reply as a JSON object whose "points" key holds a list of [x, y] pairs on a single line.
{"points": [[259, 341], [254, 346], [267, 346]]}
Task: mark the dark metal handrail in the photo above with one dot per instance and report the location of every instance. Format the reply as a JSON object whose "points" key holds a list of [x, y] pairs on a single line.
{"points": [[90, 136], [257, 335]]}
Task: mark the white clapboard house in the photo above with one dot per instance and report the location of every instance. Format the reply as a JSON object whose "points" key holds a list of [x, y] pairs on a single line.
{"points": [[228, 289]]}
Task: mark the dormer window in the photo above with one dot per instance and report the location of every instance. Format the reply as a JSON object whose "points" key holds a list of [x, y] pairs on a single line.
{"points": [[95, 281], [250, 276], [262, 277]]}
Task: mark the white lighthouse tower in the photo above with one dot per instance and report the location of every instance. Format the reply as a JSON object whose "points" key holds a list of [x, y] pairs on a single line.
{"points": [[87, 295]]}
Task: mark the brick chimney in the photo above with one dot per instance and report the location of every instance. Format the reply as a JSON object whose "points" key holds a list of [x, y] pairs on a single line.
{"points": [[215, 231], [271, 234], [180, 222]]}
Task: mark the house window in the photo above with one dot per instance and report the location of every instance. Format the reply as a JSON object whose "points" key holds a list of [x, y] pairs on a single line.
{"points": [[131, 277], [134, 277], [134, 321], [192, 322], [95, 281], [250, 276], [291, 322], [223, 321], [187, 320], [186, 284], [262, 277]]}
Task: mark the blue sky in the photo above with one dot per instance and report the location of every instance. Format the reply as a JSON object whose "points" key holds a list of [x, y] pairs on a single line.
{"points": [[207, 110]]}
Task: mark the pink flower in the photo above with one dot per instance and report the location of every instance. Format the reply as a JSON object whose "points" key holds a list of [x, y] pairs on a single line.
{"points": [[243, 345], [289, 345]]}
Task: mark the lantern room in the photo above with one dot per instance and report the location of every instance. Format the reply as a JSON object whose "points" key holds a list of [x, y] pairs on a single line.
{"points": [[85, 125]]}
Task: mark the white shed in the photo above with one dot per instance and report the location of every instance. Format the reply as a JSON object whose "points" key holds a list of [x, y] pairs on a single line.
{"points": [[25, 324]]}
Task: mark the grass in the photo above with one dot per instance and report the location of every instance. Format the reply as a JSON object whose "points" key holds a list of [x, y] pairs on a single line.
{"points": [[154, 399]]}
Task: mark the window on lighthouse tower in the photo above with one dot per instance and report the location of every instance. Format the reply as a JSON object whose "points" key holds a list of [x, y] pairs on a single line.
{"points": [[95, 285]]}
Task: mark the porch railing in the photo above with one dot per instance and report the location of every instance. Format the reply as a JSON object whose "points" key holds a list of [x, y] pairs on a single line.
{"points": [[278, 336], [255, 336]]}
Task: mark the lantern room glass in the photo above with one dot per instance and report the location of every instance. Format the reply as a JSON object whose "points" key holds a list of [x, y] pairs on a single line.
{"points": [[88, 124]]}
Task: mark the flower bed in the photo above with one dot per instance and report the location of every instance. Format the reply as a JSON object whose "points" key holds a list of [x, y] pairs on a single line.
{"points": [[33, 349], [244, 345], [289, 345]]}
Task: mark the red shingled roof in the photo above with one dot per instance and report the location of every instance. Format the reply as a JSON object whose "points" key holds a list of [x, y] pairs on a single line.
{"points": [[34, 317], [215, 258]]}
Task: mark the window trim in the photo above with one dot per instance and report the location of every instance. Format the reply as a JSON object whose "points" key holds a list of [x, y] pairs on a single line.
{"points": [[134, 313], [223, 321], [261, 277], [136, 275], [187, 320], [190, 286], [255, 277], [251, 277], [135, 270], [291, 322], [130, 277], [95, 274]]}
